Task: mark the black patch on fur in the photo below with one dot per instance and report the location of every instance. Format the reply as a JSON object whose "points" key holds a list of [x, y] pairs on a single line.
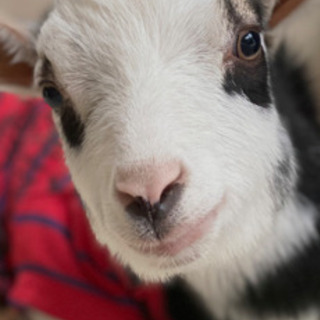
{"points": [[298, 111], [183, 303], [72, 126], [283, 180], [291, 289], [294, 287], [46, 72], [249, 79]]}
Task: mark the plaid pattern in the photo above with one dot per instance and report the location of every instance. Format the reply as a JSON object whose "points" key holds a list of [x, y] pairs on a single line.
{"points": [[49, 259]]}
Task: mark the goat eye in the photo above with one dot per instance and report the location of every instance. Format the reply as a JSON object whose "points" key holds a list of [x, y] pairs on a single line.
{"points": [[52, 97], [249, 45]]}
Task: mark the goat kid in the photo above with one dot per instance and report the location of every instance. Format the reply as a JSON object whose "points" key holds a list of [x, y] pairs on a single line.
{"points": [[190, 146]]}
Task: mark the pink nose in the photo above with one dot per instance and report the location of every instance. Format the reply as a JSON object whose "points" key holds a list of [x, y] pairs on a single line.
{"points": [[148, 182]]}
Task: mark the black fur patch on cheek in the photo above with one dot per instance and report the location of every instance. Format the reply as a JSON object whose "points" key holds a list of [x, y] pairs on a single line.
{"points": [[283, 180], [250, 81], [72, 126]]}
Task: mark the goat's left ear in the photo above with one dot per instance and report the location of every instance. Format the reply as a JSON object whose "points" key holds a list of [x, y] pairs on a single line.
{"points": [[17, 58]]}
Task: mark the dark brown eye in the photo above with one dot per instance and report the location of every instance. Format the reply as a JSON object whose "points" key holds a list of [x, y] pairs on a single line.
{"points": [[52, 97], [249, 45]]}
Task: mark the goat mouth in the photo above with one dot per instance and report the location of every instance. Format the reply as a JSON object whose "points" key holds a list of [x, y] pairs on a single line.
{"points": [[182, 237]]}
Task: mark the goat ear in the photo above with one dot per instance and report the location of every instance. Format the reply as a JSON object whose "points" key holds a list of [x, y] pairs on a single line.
{"points": [[17, 58]]}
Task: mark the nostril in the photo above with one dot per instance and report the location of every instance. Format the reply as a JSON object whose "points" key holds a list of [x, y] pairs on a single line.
{"points": [[169, 192], [141, 208], [166, 192], [150, 182], [169, 198], [126, 199]]}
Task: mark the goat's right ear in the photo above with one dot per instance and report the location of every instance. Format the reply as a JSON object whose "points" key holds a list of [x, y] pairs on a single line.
{"points": [[17, 58]]}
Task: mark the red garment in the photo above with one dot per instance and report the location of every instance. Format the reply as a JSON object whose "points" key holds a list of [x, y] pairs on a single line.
{"points": [[56, 265]]}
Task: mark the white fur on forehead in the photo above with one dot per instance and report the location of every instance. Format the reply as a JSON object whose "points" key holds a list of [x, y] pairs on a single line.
{"points": [[130, 20], [96, 25], [190, 13], [110, 39]]}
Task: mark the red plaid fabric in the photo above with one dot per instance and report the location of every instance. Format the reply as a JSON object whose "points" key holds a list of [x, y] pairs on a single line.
{"points": [[49, 259]]}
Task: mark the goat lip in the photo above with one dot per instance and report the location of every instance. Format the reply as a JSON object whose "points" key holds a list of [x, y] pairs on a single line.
{"points": [[183, 236]]}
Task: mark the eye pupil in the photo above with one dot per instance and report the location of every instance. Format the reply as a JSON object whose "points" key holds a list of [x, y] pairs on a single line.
{"points": [[52, 97], [250, 44]]}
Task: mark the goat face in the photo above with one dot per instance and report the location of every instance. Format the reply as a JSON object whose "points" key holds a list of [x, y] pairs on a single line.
{"points": [[168, 126]]}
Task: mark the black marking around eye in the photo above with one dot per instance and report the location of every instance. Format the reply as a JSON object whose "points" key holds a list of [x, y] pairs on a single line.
{"points": [[72, 126], [46, 71], [250, 81]]}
